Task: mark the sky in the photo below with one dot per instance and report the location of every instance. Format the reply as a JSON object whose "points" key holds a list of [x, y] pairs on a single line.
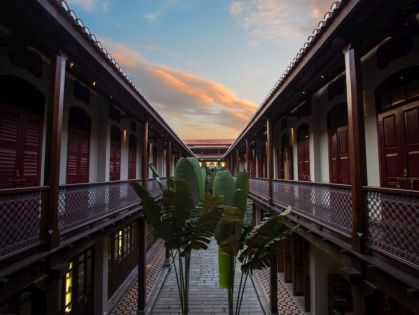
{"points": [[205, 65]]}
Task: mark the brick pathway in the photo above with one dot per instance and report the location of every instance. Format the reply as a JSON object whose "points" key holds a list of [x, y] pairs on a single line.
{"points": [[128, 304], [287, 303], [205, 294]]}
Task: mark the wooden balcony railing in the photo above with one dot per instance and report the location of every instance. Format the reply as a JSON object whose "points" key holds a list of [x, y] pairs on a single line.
{"points": [[20, 219], [392, 213], [23, 210]]}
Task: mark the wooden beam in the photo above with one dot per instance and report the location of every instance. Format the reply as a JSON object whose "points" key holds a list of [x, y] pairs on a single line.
{"points": [[141, 294], [269, 157], [144, 165], [357, 158], [53, 149], [237, 168]]}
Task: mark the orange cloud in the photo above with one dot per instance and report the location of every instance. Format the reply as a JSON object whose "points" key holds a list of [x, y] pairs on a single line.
{"points": [[195, 106]]}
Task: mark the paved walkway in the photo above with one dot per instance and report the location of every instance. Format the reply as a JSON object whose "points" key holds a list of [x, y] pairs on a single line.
{"points": [[206, 297]]}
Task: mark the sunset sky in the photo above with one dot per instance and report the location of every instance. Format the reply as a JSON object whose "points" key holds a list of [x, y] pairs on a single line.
{"points": [[205, 65]]}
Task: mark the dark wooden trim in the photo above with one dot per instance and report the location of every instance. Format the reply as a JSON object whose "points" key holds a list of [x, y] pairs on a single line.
{"points": [[141, 266], [357, 156], [145, 151], [53, 151], [291, 181], [15, 191], [273, 282], [391, 191]]}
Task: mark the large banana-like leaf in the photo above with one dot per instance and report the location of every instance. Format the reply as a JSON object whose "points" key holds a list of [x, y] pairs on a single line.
{"points": [[225, 263], [259, 243], [224, 186], [209, 214], [242, 182], [179, 204], [188, 171]]}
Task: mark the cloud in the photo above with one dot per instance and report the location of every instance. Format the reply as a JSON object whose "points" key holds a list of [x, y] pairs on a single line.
{"points": [[194, 106], [91, 5], [273, 20], [88, 5]]}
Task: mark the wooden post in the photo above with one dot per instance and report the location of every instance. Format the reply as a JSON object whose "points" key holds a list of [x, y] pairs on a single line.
{"points": [[269, 157], [247, 157], [297, 265], [306, 262], [287, 260], [53, 150], [237, 162], [356, 145], [141, 294], [274, 282], [169, 159], [144, 166]]}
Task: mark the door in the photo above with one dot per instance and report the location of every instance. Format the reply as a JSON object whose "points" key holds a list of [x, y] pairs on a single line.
{"points": [[78, 146], [132, 157], [303, 153], [339, 156], [115, 154], [399, 147], [20, 147]]}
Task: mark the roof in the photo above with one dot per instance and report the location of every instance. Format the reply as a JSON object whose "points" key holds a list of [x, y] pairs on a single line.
{"points": [[98, 47], [209, 142]]}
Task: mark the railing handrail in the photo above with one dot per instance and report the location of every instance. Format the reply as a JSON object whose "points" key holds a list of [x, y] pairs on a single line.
{"points": [[291, 181], [12, 191], [105, 183], [391, 191]]}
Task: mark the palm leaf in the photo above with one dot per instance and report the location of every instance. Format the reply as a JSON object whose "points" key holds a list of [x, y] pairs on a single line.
{"points": [[186, 171], [224, 186]]}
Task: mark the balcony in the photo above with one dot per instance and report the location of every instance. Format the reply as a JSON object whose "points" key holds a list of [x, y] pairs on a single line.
{"points": [[392, 215], [23, 211]]}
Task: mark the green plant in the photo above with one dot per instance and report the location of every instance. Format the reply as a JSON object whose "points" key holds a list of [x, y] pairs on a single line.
{"points": [[185, 219], [237, 240]]}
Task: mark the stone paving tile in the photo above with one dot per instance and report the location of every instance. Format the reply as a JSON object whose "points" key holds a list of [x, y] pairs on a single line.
{"points": [[206, 297], [287, 303], [128, 303]]}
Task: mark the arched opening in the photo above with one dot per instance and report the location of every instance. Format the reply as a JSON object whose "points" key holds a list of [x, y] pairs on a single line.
{"points": [[21, 124], [303, 152], [78, 146], [337, 126], [115, 154], [132, 157], [397, 100]]}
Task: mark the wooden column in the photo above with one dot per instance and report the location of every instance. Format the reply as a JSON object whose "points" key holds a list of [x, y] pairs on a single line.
{"points": [[141, 294], [247, 156], [297, 265], [54, 292], [237, 162], [169, 159], [274, 282], [269, 157], [306, 266], [287, 260], [53, 150], [144, 166], [231, 163], [357, 158], [280, 255]]}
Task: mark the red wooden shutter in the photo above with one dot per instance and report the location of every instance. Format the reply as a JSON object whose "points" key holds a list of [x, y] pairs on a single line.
{"points": [[9, 133], [78, 146], [20, 148], [132, 158], [31, 151]]}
